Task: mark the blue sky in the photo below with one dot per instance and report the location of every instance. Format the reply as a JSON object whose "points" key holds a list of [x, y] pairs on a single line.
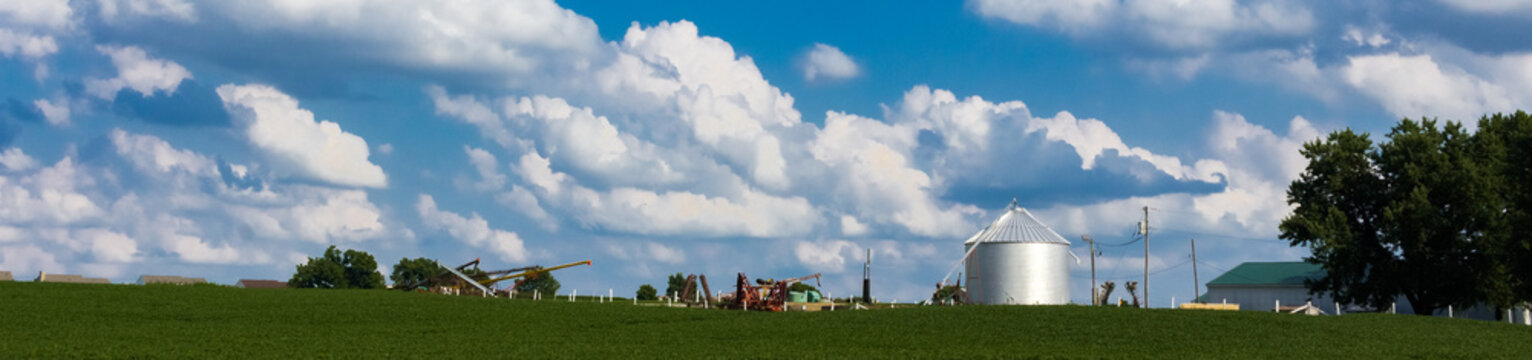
{"points": [[231, 140]]}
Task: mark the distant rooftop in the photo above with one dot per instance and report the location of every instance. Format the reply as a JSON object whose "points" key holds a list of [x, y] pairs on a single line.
{"points": [[1286, 273], [69, 278], [260, 284], [168, 279]]}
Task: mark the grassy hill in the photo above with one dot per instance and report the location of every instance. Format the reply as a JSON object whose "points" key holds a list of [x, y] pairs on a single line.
{"points": [[69, 320]]}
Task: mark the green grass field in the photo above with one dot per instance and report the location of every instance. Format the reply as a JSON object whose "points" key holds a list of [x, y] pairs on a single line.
{"points": [[72, 321]]}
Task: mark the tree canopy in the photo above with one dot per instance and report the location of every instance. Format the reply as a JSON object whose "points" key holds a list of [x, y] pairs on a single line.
{"points": [[675, 285], [647, 292], [542, 282], [338, 270], [414, 271], [1424, 215]]}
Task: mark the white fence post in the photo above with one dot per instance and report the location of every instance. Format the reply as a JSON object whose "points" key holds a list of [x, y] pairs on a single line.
{"points": [[1277, 307]]}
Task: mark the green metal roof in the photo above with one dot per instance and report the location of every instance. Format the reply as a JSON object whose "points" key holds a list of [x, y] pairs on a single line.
{"points": [[1269, 274]]}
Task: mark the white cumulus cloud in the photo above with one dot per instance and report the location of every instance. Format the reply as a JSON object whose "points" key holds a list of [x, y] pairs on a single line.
{"points": [[154, 154], [177, 10], [56, 112], [828, 62], [50, 14], [1417, 85], [488, 169], [1518, 7], [13, 42], [1173, 24], [137, 71], [748, 212], [472, 230], [289, 135], [484, 36], [16, 160]]}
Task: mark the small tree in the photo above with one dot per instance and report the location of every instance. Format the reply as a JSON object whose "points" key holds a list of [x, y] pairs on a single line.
{"points": [[1106, 292], [677, 284], [800, 286], [361, 270], [946, 292], [414, 271], [647, 292], [542, 283], [1132, 287], [338, 270]]}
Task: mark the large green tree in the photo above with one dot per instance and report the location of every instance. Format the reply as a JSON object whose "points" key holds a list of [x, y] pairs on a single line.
{"points": [[1337, 217], [1505, 142], [1412, 217], [338, 270], [414, 271], [1437, 209]]}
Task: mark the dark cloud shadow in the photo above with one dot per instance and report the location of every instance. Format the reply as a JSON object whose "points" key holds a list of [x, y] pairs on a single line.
{"points": [[191, 105], [18, 110], [13, 112], [1041, 173]]}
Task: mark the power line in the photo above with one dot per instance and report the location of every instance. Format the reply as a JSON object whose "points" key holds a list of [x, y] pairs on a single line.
{"points": [[1130, 242], [1172, 267], [1224, 236]]}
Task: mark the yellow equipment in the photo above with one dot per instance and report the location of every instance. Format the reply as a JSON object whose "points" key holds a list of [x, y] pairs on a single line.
{"points": [[530, 274]]}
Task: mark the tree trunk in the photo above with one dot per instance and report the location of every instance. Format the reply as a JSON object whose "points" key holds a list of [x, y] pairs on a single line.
{"points": [[1421, 306]]}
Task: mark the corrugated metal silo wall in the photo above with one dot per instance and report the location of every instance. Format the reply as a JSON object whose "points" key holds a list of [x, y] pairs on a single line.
{"points": [[1018, 273]]}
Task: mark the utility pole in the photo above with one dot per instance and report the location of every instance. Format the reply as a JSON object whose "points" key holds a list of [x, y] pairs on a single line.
{"points": [[1094, 300], [1146, 256], [1196, 284]]}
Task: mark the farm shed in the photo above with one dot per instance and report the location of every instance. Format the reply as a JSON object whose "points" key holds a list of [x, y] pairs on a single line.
{"points": [[1257, 286], [168, 279], [260, 284], [6, 276], [43, 276], [1017, 260]]}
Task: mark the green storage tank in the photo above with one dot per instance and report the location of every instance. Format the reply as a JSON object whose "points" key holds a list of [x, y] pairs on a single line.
{"points": [[796, 296]]}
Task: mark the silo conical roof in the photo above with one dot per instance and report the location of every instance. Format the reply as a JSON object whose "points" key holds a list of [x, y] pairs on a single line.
{"points": [[1017, 225]]}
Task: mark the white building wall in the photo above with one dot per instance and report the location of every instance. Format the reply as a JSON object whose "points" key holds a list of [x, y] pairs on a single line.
{"points": [[1264, 298]]}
